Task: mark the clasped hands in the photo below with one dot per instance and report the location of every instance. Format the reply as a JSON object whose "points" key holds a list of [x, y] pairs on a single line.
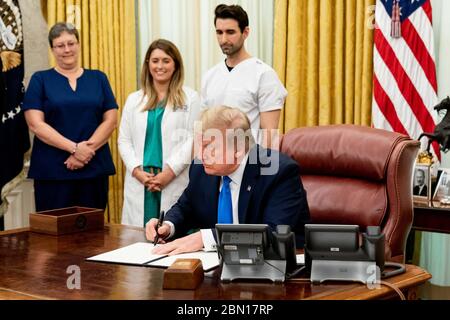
{"points": [[84, 152], [152, 182]]}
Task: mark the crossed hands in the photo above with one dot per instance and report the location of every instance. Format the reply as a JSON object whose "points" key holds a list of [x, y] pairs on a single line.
{"points": [[153, 182], [82, 155]]}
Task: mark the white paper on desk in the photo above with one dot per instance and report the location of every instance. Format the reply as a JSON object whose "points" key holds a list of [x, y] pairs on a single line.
{"points": [[210, 260], [140, 253], [300, 259], [136, 254]]}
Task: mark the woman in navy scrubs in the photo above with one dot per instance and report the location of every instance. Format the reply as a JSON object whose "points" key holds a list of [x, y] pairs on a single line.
{"points": [[72, 112]]}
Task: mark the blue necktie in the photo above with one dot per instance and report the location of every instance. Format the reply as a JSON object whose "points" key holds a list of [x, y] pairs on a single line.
{"points": [[225, 209]]}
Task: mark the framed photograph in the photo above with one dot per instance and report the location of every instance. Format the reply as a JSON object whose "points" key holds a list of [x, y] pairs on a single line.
{"points": [[422, 182], [442, 192]]}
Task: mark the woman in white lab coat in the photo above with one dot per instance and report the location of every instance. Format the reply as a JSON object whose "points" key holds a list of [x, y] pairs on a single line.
{"points": [[156, 135]]}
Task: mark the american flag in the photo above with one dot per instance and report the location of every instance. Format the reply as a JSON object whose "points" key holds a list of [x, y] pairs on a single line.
{"points": [[405, 86]]}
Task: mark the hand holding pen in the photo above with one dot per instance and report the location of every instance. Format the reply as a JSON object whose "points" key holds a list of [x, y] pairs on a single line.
{"points": [[155, 229], [153, 226], [160, 222]]}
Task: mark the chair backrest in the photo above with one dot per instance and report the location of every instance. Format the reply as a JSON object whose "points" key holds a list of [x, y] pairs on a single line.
{"points": [[357, 175]]}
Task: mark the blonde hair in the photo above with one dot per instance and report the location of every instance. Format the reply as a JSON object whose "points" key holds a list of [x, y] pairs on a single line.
{"points": [[175, 95], [233, 120]]}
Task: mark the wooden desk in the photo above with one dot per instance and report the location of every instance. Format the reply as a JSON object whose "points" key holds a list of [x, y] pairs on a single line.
{"points": [[33, 266], [431, 216]]}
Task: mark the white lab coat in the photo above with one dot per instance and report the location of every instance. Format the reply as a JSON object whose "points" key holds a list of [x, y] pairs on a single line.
{"points": [[177, 139]]}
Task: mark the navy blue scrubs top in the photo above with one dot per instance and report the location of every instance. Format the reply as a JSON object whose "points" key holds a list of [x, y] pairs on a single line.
{"points": [[75, 115]]}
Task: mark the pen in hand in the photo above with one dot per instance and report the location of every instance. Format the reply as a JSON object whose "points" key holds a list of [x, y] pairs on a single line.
{"points": [[160, 222]]}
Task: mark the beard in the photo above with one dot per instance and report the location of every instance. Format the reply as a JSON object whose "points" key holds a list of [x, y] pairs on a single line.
{"points": [[230, 50]]}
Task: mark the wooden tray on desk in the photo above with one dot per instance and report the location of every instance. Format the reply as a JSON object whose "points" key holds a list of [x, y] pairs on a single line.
{"points": [[66, 220]]}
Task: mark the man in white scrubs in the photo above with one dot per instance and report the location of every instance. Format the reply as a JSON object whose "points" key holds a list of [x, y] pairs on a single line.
{"points": [[243, 81]]}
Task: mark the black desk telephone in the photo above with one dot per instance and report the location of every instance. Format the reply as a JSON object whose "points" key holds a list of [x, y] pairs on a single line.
{"points": [[333, 252], [252, 251]]}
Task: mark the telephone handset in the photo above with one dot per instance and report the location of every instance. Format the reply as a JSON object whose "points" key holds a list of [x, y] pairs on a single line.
{"points": [[283, 247]]}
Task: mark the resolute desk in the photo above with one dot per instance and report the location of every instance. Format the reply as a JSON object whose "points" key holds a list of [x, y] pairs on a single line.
{"points": [[37, 266]]}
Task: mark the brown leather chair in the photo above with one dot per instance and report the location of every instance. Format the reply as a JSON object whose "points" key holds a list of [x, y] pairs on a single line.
{"points": [[357, 175]]}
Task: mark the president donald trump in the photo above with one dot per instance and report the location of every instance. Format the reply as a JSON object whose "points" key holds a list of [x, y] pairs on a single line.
{"points": [[236, 181]]}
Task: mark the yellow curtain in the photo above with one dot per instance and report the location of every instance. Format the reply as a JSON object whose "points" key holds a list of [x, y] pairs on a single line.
{"points": [[323, 53], [108, 43]]}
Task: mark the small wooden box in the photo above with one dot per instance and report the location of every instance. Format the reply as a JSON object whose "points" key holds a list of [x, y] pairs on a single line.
{"points": [[66, 220], [184, 274]]}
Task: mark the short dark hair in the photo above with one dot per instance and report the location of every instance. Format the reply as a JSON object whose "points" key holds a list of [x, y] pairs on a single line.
{"points": [[235, 12], [60, 27]]}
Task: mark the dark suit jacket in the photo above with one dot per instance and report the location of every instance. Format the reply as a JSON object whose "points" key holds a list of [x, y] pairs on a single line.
{"points": [[270, 199], [423, 193]]}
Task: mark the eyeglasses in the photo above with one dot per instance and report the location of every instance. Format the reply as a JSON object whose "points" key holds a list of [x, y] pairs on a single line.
{"points": [[61, 46]]}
